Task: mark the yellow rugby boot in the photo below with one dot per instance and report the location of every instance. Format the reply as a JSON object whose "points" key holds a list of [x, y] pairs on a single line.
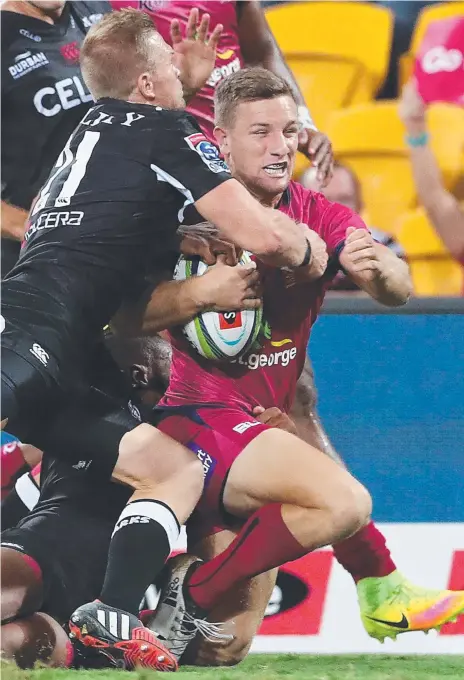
{"points": [[390, 605]]}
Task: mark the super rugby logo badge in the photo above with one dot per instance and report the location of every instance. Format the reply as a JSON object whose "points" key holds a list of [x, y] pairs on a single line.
{"points": [[208, 153]]}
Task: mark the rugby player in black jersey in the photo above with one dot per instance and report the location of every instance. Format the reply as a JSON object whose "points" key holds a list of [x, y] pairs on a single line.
{"points": [[56, 557], [43, 99], [107, 214]]}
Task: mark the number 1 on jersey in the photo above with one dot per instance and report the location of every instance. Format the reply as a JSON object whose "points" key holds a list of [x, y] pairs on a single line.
{"points": [[67, 174]]}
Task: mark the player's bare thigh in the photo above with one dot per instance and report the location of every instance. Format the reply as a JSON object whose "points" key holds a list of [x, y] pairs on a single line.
{"points": [[278, 467], [151, 462], [243, 607]]}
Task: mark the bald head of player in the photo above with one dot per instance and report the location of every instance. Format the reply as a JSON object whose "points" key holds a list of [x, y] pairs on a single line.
{"points": [[257, 130], [124, 57]]}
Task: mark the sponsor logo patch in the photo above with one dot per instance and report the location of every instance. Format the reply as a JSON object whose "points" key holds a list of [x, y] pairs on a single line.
{"points": [[153, 5], [91, 19], [50, 220], [40, 353], [439, 59], [82, 465], [230, 320], [208, 462], [135, 519], [134, 411], [65, 94], [26, 62], [70, 52], [222, 70], [254, 361], [208, 153], [31, 36], [243, 427]]}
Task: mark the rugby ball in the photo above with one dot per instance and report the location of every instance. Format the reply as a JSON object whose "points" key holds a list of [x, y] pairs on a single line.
{"points": [[219, 336]]}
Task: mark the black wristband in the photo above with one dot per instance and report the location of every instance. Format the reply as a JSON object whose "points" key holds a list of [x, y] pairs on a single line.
{"points": [[307, 257]]}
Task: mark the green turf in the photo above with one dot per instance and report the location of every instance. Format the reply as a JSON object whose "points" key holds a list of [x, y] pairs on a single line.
{"points": [[287, 667]]}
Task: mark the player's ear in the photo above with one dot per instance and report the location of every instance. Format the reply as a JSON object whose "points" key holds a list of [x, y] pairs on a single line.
{"points": [[221, 138], [139, 375], [146, 87]]}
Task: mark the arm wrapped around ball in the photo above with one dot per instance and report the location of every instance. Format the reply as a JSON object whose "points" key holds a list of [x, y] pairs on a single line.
{"points": [[174, 303]]}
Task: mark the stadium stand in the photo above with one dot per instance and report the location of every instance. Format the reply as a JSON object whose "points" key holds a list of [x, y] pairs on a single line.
{"points": [[335, 66], [433, 270], [369, 138]]}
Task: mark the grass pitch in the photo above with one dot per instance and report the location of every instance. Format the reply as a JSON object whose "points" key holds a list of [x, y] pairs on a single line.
{"points": [[283, 667]]}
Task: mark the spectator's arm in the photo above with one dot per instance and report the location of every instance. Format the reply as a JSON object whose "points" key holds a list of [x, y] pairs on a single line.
{"points": [[259, 48], [442, 207], [13, 222]]}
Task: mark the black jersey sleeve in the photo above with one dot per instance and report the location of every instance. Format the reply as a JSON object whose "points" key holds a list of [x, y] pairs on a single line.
{"points": [[185, 158]]}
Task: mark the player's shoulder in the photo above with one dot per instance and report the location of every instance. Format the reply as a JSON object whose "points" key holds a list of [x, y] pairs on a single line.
{"points": [[304, 202], [307, 197], [318, 204], [10, 26], [321, 214]]}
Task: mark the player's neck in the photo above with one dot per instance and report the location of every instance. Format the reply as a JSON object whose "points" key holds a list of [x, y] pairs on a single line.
{"points": [[21, 7], [271, 201]]}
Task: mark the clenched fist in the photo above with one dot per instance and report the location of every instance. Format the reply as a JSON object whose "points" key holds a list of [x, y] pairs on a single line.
{"points": [[359, 255]]}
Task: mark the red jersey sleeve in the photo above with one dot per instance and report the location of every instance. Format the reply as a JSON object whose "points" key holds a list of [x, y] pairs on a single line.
{"points": [[335, 220]]}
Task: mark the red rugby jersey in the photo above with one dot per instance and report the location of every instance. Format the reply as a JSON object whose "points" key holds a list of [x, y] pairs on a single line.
{"points": [[228, 59], [267, 375]]}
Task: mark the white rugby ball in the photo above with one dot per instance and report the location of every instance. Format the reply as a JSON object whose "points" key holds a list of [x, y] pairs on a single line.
{"points": [[219, 335]]}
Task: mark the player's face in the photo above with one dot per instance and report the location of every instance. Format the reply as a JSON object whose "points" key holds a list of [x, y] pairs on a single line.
{"points": [[260, 146], [164, 82]]}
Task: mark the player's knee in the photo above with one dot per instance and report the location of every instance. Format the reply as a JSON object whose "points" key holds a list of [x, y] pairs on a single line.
{"points": [[190, 478], [350, 508]]}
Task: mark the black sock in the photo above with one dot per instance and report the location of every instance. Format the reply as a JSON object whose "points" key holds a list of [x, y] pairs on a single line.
{"points": [[142, 541], [19, 501]]}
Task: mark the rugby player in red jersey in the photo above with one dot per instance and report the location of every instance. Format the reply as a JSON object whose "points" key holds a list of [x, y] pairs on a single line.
{"points": [[279, 486], [246, 39]]}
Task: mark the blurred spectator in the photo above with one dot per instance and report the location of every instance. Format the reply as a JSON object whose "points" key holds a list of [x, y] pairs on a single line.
{"points": [[441, 206], [406, 13], [344, 188]]}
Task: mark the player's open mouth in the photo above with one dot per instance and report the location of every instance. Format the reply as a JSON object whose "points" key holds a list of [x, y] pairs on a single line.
{"points": [[276, 169]]}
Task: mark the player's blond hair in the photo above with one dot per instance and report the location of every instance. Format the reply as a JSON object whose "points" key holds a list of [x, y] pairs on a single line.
{"points": [[116, 51], [247, 85]]}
